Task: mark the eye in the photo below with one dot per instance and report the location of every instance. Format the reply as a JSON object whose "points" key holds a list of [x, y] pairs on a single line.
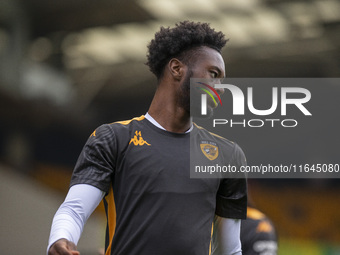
{"points": [[213, 74]]}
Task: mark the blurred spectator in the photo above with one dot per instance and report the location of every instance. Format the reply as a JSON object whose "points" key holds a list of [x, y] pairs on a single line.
{"points": [[258, 235]]}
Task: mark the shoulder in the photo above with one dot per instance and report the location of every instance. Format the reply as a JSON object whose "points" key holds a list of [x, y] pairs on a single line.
{"points": [[117, 127], [125, 124], [231, 151], [225, 143], [128, 122], [258, 221], [205, 133], [255, 214], [115, 132]]}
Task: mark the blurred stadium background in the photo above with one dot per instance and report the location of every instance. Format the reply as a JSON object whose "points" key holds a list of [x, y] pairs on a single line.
{"points": [[68, 66]]}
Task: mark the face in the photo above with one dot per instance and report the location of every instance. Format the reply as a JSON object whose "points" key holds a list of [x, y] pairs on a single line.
{"points": [[208, 64]]}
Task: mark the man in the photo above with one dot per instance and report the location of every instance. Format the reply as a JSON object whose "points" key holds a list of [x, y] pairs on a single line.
{"points": [[141, 166], [258, 235]]}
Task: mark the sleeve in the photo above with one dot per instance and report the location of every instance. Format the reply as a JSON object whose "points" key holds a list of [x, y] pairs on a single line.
{"points": [[69, 220], [231, 199], [96, 163], [226, 237]]}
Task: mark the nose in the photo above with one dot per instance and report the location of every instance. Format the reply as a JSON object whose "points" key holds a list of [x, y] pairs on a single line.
{"points": [[220, 91]]}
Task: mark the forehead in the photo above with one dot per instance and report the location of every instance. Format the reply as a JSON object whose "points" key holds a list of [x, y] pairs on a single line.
{"points": [[208, 57]]}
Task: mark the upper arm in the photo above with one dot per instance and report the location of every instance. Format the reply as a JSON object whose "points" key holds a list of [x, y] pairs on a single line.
{"points": [[231, 199], [96, 163]]}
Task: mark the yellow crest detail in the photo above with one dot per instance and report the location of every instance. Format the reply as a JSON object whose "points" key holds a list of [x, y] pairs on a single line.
{"points": [[138, 139], [210, 150]]}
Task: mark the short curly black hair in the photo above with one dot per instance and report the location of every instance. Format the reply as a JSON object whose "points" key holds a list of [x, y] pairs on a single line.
{"points": [[176, 42]]}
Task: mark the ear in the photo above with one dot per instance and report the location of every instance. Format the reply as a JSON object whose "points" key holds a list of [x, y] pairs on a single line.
{"points": [[176, 68]]}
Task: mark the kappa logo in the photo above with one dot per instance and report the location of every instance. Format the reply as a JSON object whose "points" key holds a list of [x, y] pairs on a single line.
{"points": [[209, 149], [138, 139]]}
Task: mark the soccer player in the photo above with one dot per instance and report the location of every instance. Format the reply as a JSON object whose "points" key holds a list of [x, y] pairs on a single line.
{"points": [[140, 167], [258, 235]]}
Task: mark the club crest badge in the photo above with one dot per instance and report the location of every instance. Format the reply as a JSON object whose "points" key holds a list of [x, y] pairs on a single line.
{"points": [[209, 149]]}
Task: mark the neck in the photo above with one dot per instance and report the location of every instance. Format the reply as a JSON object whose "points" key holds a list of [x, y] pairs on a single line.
{"points": [[165, 109]]}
